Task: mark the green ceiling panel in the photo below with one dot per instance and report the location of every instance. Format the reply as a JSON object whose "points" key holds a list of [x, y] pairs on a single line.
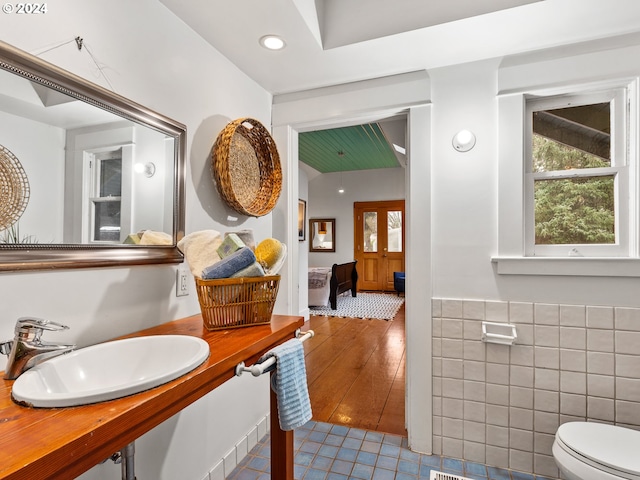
{"points": [[343, 149]]}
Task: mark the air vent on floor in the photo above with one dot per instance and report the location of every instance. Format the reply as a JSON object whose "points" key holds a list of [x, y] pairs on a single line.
{"points": [[445, 476]]}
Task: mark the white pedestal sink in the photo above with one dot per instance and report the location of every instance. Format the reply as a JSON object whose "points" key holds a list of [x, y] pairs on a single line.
{"points": [[110, 370]]}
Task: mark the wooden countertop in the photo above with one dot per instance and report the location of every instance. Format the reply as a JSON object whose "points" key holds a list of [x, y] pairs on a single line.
{"points": [[62, 443]]}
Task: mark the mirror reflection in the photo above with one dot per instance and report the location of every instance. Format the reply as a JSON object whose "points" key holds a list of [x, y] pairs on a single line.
{"points": [[88, 178], [94, 177], [322, 234]]}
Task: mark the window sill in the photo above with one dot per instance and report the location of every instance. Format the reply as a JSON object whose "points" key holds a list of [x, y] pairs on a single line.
{"points": [[569, 266]]}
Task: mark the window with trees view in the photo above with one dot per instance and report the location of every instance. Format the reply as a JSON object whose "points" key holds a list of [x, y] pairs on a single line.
{"points": [[577, 175]]}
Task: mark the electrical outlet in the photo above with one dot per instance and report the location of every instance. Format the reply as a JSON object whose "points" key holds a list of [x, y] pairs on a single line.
{"points": [[182, 287]]}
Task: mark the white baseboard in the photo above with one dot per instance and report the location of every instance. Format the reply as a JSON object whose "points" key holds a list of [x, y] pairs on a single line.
{"points": [[225, 466], [305, 313]]}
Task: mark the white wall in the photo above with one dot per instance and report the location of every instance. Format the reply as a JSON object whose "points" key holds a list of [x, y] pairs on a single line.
{"points": [[464, 184], [150, 193], [466, 190], [43, 164], [360, 186], [155, 60]]}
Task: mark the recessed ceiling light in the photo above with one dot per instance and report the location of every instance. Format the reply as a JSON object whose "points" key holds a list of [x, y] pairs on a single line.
{"points": [[272, 42]]}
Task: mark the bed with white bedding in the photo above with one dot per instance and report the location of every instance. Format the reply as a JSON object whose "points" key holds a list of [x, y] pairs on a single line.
{"points": [[319, 286], [326, 283]]}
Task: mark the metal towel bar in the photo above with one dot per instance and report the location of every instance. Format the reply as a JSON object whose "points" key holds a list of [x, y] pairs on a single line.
{"points": [[258, 369]]}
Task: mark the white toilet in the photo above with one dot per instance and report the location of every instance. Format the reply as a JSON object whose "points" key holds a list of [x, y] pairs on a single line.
{"points": [[596, 451]]}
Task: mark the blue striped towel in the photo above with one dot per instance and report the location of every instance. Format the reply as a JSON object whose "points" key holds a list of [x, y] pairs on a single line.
{"points": [[290, 384]]}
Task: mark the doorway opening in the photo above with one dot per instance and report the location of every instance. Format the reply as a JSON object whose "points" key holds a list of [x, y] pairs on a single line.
{"points": [[291, 118], [356, 367]]}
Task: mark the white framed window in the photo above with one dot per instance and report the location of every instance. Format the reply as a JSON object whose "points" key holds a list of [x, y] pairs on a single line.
{"points": [[105, 198], [524, 246], [576, 175]]}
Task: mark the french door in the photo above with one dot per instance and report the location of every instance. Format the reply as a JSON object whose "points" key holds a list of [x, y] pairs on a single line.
{"points": [[379, 243]]}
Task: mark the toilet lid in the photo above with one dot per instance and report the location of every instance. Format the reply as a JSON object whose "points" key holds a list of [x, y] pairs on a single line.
{"points": [[606, 445]]}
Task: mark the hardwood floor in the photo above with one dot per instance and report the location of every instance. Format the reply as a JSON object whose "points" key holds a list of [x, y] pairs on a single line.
{"points": [[355, 372]]}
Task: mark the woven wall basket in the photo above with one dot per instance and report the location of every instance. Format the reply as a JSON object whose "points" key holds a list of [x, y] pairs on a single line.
{"points": [[14, 189], [246, 167]]}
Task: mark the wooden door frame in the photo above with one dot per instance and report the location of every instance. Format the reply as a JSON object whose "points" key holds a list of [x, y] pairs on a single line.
{"points": [[399, 204]]}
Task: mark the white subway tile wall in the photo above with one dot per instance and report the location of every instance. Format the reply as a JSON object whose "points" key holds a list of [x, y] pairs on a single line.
{"points": [[501, 405]]}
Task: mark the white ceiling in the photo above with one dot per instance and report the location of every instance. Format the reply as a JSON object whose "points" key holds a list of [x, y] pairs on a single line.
{"points": [[331, 42]]}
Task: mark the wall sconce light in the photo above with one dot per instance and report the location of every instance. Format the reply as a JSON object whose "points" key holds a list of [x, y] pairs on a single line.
{"points": [[148, 169], [464, 140]]}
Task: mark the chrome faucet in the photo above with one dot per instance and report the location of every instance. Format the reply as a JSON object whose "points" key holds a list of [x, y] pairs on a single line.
{"points": [[26, 350]]}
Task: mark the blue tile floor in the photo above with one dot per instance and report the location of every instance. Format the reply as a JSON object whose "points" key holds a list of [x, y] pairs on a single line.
{"points": [[331, 452]]}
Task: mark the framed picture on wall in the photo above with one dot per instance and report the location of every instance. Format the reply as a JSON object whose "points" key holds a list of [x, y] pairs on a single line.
{"points": [[302, 220], [322, 235]]}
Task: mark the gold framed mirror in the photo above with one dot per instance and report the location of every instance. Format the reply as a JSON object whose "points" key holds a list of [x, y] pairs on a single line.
{"points": [[322, 235], [103, 172]]}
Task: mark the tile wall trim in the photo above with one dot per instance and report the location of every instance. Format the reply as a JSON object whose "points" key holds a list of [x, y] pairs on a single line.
{"points": [[501, 405], [223, 468]]}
